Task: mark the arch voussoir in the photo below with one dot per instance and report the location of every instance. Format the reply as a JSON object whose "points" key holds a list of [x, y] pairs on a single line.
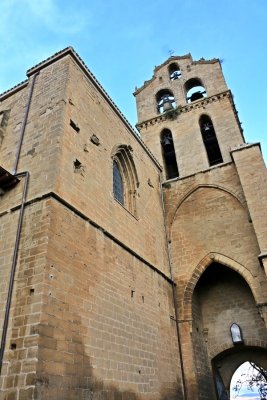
{"points": [[250, 342], [203, 265]]}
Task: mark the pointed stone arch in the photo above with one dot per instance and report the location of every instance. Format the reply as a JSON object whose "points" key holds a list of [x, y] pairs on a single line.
{"points": [[203, 265], [122, 157], [207, 186], [226, 360], [249, 342]]}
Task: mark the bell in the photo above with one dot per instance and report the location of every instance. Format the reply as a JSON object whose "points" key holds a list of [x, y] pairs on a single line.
{"points": [[166, 140], [196, 96], [207, 126], [167, 105], [175, 75]]}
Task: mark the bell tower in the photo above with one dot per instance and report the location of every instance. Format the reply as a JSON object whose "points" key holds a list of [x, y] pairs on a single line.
{"points": [[187, 117], [215, 199]]}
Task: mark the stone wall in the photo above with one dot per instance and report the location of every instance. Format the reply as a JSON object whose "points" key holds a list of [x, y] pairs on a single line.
{"points": [[21, 351], [209, 222], [92, 313], [92, 308], [89, 318], [90, 189]]}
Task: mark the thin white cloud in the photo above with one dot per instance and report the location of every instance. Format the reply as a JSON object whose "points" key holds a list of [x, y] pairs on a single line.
{"points": [[55, 16], [32, 30]]}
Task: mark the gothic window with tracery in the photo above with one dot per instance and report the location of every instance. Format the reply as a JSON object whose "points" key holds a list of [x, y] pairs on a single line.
{"points": [[125, 180], [118, 183]]}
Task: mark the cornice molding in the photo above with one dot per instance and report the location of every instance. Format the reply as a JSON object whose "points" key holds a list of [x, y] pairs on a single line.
{"points": [[172, 114]]}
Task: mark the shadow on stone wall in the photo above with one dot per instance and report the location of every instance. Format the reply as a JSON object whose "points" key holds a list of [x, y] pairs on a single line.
{"points": [[78, 380]]}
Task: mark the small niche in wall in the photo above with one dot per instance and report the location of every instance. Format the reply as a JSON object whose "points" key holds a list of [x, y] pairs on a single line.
{"points": [[74, 126]]}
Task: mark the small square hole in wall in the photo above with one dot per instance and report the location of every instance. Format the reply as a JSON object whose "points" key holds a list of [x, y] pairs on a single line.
{"points": [[31, 291], [77, 164], [13, 346], [78, 167], [74, 126], [95, 140]]}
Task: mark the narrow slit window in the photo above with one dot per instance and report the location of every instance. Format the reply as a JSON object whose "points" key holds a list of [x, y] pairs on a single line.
{"points": [[118, 183], [210, 140], [168, 153]]}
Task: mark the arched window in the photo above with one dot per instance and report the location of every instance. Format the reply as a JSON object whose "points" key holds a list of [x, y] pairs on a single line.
{"points": [[236, 334], [194, 90], [165, 101], [118, 189], [174, 71], [210, 140], [168, 154], [125, 181]]}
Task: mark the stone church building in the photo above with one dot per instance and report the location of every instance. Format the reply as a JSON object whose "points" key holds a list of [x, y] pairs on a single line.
{"points": [[132, 267]]}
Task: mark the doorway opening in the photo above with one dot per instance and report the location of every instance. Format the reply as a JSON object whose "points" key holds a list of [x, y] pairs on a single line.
{"points": [[249, 381]]}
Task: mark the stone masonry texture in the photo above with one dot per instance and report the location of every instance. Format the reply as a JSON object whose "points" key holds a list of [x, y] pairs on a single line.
{"points": [[116, 302]]}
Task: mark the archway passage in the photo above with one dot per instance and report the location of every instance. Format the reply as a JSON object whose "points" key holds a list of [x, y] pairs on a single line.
{"points": [[222, 297], [249, 380], [233, 368]]}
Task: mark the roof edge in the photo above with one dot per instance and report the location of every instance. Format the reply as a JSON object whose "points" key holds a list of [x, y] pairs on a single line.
{"points": [[173, 59], [50, 60], [157, 67], [14, 89]]}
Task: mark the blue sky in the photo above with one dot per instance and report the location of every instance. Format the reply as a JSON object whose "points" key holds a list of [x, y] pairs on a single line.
{"points": [[245, 371], [122, 41]]}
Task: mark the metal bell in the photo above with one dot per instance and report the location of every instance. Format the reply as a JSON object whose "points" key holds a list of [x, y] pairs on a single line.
{"points": [[167, 104], [166, 140]]}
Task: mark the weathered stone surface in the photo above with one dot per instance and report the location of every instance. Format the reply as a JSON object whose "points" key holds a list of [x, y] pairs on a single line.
{"points": [[93, 311]]}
